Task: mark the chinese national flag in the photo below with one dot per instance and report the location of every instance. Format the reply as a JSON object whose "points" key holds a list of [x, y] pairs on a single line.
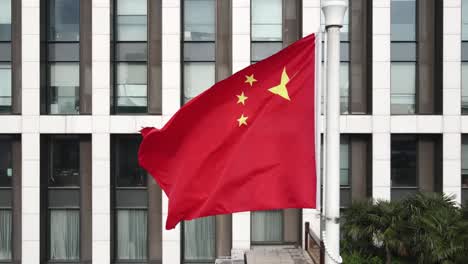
{"points": [[245, 144]]}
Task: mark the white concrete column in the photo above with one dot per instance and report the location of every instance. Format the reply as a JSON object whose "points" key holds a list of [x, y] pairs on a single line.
{"points": [[30, 138], [240, 59], [381, 141], [171, 91], [452, 98], [100, 129]]}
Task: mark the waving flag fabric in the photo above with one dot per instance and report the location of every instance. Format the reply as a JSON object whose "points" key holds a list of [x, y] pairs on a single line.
{"points": [[247, 143]]}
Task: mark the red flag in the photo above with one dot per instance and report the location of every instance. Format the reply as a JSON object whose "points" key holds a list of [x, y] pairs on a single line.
{"points": [[247, 143]]}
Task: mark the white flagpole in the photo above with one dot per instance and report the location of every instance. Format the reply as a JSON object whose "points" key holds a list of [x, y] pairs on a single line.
{"points": [[334, 11]]}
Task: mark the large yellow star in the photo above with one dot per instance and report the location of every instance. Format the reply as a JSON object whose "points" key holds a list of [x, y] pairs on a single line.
{"points": [[250, 79], [281, 89], [242, 120], [241, 98]]}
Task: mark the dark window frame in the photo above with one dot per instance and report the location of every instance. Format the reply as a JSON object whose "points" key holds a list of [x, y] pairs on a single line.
{"points": [[47, 142], [415, 61], [182, 47], [464, 189], [46, 93], [115, 62], [116, 140], [411, 189]]}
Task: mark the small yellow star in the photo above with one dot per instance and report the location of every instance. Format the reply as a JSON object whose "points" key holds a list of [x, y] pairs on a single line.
{"points": [[242, 98], [242, 120], [250, 79]]}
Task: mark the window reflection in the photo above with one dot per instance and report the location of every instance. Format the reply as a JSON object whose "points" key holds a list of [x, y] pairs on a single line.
{"points": [[199, 20], [403, 161], [64, 20]]}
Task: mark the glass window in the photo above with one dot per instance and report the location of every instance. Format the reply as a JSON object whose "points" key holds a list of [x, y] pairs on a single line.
{"points": [[6, 175], [464, 79], [464, 165], [131, 87], [267, 16], [129, 173], [404, 161], [64, 234], [63, 204], [131, 234], [344, 87], [199, 239], [262, 50], [5, 20], [64, 88], [5, 87], [5, 234], [267, 226], [6, 163], [344, 161], [403, 87], [131, 20], [403, 19], [199, 20], [464, 20], [198, 76], [64, 20], [65, 157], [130, 200]]}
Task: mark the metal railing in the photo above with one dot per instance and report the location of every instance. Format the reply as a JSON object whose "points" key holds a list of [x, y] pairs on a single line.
{"points": [[314, 246]]}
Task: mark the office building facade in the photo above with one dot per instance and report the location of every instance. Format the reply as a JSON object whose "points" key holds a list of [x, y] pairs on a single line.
{"points": [[79, 78]]}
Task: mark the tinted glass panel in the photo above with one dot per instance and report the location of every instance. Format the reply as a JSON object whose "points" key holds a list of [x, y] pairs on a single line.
{"points": [[5, 20], [464, 87], [65, 156], [131, 51], [131, 87], [403, 51], [131, 234], [262, 50], [344, 51], [131, 20], [5, 88], [64, 235], [5, 198], [345, 197], [199, 236], [198, 76], [64, 52], [402, 193], [199, 20], [5, 234], [344, 162], [267, 20], [64, 88], [403, 20], [464, 20], [267, 226], [64, 198], [464, 51], [344, 87], [194, 51], [130, 198], [403, 87], [6, 170], [5, 51], [129, 173], [403, 163], [64, 20], [464, 162]]}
